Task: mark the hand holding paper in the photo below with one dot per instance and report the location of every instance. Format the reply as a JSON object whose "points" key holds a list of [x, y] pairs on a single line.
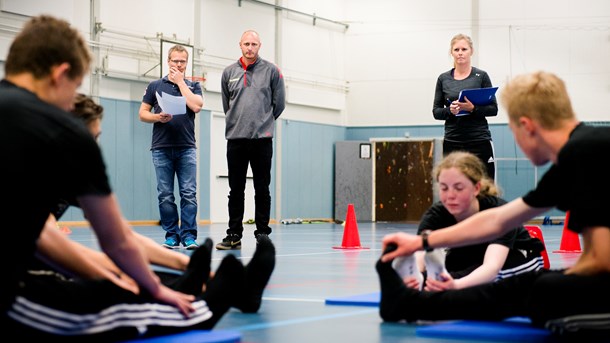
{"points": [[170, 104]]}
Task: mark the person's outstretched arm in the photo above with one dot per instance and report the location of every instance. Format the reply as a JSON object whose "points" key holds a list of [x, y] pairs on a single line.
{"points": [[481, 227], [495, 257], [119, 244], [75, 259], [161, 256]]}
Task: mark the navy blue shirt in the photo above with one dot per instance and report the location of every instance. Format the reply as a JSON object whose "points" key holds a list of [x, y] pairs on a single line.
{"points": [[180, 131]]}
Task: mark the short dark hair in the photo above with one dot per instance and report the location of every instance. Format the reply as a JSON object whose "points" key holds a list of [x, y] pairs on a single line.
{"points": [[178, 48], [45, 42]]}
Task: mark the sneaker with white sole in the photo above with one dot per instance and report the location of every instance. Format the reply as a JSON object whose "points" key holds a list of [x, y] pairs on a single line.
{"points": [[231, 242], [190, 244], [171, 243]]}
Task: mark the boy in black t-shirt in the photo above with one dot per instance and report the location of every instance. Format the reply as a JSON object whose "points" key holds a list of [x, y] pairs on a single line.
{"points": [[46, 63]]}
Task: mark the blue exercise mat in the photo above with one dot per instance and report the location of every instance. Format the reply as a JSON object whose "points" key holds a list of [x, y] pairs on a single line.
{"points": [[515, 329], [367, 299], [195, 336]]}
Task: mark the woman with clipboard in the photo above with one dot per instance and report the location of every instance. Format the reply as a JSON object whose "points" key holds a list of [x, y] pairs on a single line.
{"points": [[466, 126]]}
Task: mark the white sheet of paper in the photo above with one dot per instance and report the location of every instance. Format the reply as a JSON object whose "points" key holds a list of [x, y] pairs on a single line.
{"points": [[171, 104]]}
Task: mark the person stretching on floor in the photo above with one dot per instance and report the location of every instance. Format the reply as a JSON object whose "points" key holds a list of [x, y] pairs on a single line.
{"points": [[570, 301], [99, 265], [35, 96], [464, 190]]}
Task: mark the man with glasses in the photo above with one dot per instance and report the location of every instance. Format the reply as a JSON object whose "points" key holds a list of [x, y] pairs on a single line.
{"points": [[174, 150]]}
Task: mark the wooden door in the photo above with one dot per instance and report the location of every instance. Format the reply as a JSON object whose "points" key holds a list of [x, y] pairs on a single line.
{"points": [[403, 179]]}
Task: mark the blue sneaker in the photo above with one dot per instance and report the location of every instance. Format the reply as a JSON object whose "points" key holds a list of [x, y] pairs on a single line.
{"points": [[171, 243], [190, 244]]}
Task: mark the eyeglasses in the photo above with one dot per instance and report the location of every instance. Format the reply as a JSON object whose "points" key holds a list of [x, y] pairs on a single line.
{"points": [[178, 61]]}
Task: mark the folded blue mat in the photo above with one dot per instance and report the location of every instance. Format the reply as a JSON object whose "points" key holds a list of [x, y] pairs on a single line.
{"points": [[515, 329], [195, 336], [367, 299]]}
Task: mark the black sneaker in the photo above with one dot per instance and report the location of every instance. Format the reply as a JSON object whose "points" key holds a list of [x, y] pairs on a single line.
{"points": [[231, 242]]}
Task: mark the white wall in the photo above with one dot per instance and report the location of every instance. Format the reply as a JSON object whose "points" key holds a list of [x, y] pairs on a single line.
{"points": [[398, 48], [571, 39]]}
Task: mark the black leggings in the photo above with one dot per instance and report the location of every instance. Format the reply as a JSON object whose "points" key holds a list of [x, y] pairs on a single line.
{"points": [[484, 150], [95, 311], [541, 295]]}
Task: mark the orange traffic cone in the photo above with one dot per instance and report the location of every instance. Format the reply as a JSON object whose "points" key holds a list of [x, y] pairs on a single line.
{"points": [[570, 242], [351, 238]]}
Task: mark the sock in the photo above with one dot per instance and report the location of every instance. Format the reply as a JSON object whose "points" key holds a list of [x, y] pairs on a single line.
{"points": [[222, 289], [435, 264], [406, 266], [197, 272], [394, 293], [257, 275]]}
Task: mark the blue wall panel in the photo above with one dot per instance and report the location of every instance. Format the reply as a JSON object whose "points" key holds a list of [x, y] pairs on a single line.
{"points": [[143, 173], [307, 189], [123, 170]]}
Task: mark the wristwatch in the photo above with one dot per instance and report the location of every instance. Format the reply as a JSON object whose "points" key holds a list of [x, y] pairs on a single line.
{"points": [[424, 240]]}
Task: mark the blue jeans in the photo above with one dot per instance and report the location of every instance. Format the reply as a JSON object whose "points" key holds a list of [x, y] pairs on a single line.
{"points": [[181, 163], [257, 153]]}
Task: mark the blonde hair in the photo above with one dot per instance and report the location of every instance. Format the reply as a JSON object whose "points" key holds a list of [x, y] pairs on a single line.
{"points": [[540, 96], [472, 167]]}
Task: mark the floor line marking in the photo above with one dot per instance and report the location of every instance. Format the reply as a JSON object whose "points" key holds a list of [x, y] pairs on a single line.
{"points": [[295, 299], [303, 320]]}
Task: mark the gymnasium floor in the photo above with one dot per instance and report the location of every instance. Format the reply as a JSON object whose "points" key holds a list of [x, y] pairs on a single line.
{"points": [[308, 271]]}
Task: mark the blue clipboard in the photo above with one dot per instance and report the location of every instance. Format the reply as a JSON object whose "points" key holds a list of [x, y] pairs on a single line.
{"points": [[478, 96]]}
